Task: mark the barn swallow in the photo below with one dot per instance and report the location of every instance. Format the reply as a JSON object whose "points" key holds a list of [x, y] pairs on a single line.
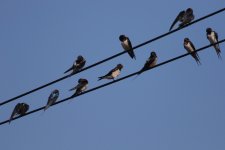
{"points": [[184, 17], [189, 46], [81, 87], [112, 74], [151, 62], [127, 46], [20, 109], [77, 65], [212, 36], [52, 98]]}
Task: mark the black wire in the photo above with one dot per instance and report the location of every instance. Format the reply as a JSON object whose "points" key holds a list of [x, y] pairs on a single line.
{"points": [[109, 58], [120, 79]]}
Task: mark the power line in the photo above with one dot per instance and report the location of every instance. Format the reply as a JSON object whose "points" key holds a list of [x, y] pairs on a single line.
{"points": [[118, 80], [109, 58]]}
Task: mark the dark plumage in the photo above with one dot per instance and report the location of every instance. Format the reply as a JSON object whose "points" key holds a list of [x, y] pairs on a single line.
{"points": [[151, 62], [20, 109], [112, 74], [77, 65], [212, 36], [52, 98], [127, 46], [80, 87], [184, 17], [189, 46]]}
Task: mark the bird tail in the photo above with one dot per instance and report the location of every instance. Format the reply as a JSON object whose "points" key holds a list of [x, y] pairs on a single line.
{"points": [[12, 115], [131, 53], [68, 70], [10, 119], [100, 78], [218, 51], [74, 88], [75, 94], [46, 107], [197, 58]]}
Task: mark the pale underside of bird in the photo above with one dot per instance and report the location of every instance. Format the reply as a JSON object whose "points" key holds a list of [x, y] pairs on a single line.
{"points": [[78, 64], [127, 46], [52, 98], [212, 36], [80, 87], [112, 74], [151, 62], [189, 46]]}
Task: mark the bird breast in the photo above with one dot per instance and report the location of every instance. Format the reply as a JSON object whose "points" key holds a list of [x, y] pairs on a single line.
{"points": [[84, 87], [188, 47], [116, 73], [212, 37], [153, 63], [125, 45]]}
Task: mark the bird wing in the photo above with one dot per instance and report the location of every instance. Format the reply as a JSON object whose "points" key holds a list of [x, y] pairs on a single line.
{"points": [[178, 18], [69, 69], [192, 45], [216, 35], [74, 88], [15, 110], [131, 52]]}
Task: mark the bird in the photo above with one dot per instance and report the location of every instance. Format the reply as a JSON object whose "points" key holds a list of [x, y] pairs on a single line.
{"points": [[52, 98], [127, 46], [189, 46], [77, 65], [212, 36], [112, 74], [20, 109], [151, 62], [80, 87], [184, 17]]}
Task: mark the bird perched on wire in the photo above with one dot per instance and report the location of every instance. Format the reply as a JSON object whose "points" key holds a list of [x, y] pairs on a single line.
{"points": [[77, 65], [112, 74], [184, 17], [189, 46], [212, 36], [151, 62], [80, 87], [20, 109], [127, 46], [52, 98]]}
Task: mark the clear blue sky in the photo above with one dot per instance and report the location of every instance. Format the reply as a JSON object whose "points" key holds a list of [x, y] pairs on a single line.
{"points": [[179, 106]]}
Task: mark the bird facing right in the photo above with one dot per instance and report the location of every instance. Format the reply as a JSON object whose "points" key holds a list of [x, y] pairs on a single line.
{"points": [[77, 65], [184, 17], [151, 62], [112, 74], [80, 87], [20, 109]]}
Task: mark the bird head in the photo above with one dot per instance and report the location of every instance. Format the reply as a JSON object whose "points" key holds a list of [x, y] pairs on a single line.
{"points": [[153, 54], [54, 93], [122, 38], [80, 57], [209, 30], [186, 40], [189, 11], [81, 80], [120, 66]]}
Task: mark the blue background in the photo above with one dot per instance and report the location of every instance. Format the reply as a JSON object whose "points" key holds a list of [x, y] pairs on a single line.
{"points": [[177, 106]]}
